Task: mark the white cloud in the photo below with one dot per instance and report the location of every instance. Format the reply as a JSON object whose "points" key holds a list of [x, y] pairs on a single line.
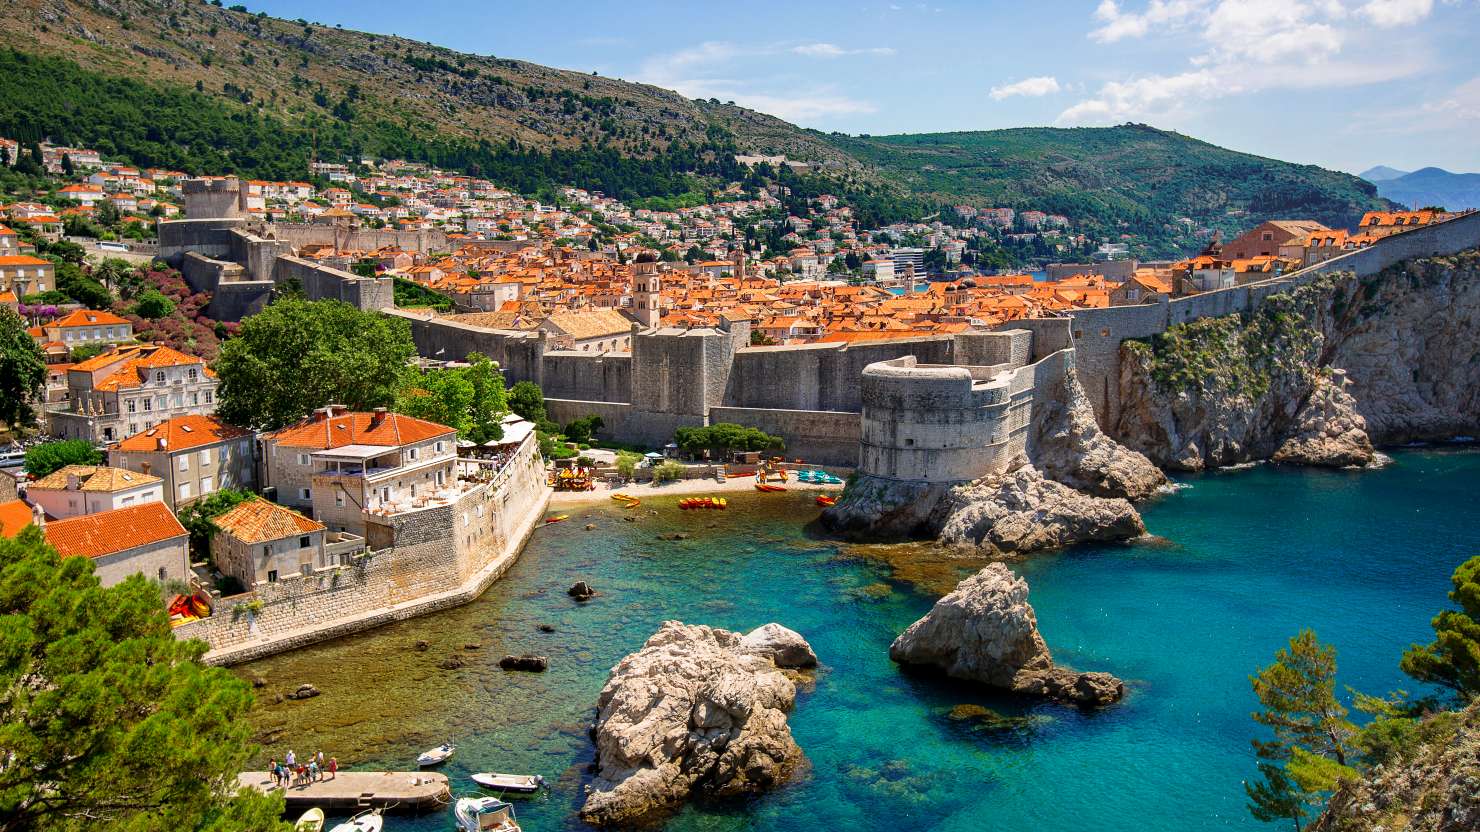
{"points": [[832, 50], [1119, 24], [1028, 87], [1245, 46], [1389, 13], [699, 72]]}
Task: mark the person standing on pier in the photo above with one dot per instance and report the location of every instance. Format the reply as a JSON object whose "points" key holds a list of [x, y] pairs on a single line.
{"points": [[333, 768]]}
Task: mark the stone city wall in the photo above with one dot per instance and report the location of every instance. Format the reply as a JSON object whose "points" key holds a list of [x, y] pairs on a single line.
{"points": [[820, 437], [442, 556], [1097, 333], [605, 377], [363, 239], [326, 283]]}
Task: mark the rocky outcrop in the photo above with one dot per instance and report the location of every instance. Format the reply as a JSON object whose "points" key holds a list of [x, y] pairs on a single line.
{"points": [[1437, 789], [1328, 431], [698, 711], [1074, 486], [1069, 447], [1023, 512], [1221, 391], [985, 631]]}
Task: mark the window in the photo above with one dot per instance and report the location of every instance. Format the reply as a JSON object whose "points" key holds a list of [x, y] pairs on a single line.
{"points": [[440, 446], [440, 477], [411, 454], [195, 397], [184, 462], [108, 434], [183, 491], [207, 485], [163, 574], [303, 542], [339, 499], [205, 456], [192, 374], [148, 405], [272, 576], [132, 405], [208, 397], [305, 494], [303, 459], [159, 376]]}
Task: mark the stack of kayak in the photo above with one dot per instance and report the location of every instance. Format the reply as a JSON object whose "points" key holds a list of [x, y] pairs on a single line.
{"points": [[688, 503], [816, 477], [186, 608]]}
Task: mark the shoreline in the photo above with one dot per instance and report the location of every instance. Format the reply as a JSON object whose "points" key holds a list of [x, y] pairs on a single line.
{"points": [[680, 488]]}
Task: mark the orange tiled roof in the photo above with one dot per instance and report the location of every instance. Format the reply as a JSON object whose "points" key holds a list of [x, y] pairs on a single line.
{"points": [[23, 260], [258, 521], [14, 516], [392, 430], [99, 478], [181, 434], [96, 535], [88, 317]]}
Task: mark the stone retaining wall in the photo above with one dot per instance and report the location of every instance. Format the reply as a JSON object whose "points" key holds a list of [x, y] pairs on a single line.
{"points": [[443, 556]]}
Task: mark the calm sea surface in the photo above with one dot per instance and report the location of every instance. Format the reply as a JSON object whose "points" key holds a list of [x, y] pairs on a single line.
{"points": [[1241, 561]]}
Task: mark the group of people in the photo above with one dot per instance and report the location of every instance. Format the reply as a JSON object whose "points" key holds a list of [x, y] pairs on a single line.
{"points": [[292, 772]]}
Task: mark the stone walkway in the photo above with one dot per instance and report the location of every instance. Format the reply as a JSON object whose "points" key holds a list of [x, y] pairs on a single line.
{"points": [[351, 790]]}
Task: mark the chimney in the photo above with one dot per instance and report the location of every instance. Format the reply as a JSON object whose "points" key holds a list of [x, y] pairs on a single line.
{"points": [[324, 413], [144, 467], [338, 409], [161, 443], [377, 416]]}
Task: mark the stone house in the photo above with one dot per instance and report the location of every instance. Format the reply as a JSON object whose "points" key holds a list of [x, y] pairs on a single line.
{"points": [[338, 464], [1265, 239], [132, 388], [142, 539], [85, 326], [1138, 288], [26, 275], [77, 490], [262, 542], [194, 454]]}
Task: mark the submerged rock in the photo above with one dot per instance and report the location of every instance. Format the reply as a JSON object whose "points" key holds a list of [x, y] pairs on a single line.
{"points": [[693, 713], [581, 591], [1023, 511], [527, 662], [452, 662], [304, 691], [985, 631], [1328, 432]]}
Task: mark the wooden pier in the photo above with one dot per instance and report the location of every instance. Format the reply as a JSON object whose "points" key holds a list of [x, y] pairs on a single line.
{"points": [[407, 791]]}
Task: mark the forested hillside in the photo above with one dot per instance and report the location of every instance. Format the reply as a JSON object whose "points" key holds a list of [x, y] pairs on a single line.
{"points": [[1132, 179]]}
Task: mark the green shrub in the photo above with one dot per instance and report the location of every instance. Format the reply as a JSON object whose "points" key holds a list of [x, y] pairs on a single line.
{"points": [[668, 471]]}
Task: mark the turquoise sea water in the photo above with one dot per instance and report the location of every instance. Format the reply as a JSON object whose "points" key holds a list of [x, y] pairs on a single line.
{"points": [[1242, 561]]}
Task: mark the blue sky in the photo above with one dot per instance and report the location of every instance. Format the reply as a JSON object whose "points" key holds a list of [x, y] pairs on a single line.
{"points": [[1340, 83]]}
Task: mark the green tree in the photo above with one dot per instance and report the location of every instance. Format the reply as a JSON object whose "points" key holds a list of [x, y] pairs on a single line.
{"points": [[724, 437], [79, 287], [85, 351], [153, 305], [581, 430], [1308, 756], [627, 462], [490, 399], [22, 371], [199, 517], [53, 456], [296, 355], [443, 396], [107, 720], [121, 276], [527, 400], [1452, 659], [107, 214]]}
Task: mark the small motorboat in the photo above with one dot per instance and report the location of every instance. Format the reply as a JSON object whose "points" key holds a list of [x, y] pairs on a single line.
{"points": [[437, 756], [370, 821], [556, 519], [310, 821], [523, 783], [481, 814]]}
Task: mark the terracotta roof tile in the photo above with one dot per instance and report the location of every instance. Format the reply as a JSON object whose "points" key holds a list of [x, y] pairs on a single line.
{"points": [[393, 430], [99, 478], [258, 521], [14, 516], [96, 535], [181, 434]]}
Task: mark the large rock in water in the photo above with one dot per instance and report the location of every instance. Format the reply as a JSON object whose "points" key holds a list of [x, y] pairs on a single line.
{"points": [[1022, 511], [1328, 430], [985, 631], [696, 712], [1069, 447]]}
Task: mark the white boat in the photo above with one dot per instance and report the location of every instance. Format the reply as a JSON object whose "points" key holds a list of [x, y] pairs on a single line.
{"points": [[437, 756], [509, 782], [370, 821], [482, 814], [310, 821]]}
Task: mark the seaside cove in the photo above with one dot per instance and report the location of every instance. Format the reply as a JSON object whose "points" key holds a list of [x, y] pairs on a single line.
{"points": [[1236, 562]]}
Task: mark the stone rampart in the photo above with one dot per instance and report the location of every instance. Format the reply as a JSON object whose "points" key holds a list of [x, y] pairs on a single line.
{"points": [[1097, 333], [605, 377], [442, 556], [820, 437], [818, 376], [363, 239], [326, 283], [208, 237]]}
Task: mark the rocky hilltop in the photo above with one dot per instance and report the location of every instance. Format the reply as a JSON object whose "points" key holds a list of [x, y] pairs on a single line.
{"points": [[1074, 485], [1317, 375], [985, 631], [698, 711], [1436, 790]]}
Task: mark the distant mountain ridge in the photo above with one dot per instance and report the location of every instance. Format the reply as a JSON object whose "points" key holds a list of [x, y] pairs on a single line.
{"points": [[1427, 187], [1382, 173], [209, 89]]}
